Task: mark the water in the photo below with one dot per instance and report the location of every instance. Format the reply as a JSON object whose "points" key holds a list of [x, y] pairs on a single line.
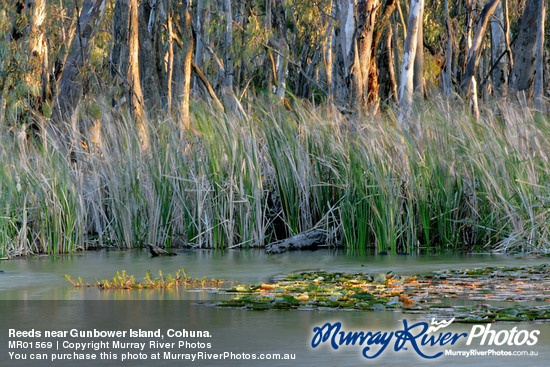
{"points": [[35, 295]]}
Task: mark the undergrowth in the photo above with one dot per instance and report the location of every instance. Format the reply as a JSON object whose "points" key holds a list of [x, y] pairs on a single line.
{"points": [[458, 184]]}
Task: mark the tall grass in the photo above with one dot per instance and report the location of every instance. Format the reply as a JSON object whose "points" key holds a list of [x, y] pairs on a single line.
{"points": [[458, 184]]}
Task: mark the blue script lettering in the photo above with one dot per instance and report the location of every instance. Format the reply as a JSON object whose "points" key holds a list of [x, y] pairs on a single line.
{"points": [[415, 335]]}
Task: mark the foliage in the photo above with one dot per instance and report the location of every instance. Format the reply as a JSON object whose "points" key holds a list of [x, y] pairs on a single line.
{"points": [[233, 182], [433, 294], [124, 281]]}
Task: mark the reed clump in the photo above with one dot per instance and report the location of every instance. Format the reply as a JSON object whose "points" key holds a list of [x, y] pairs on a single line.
{"points": [[458, 184], [122, 280]]}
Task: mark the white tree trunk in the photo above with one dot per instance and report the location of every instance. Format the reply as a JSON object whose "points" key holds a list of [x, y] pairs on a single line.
{"points": [[498, 47], [469, 84], [344, 51], [406, 86], [418, 75]]}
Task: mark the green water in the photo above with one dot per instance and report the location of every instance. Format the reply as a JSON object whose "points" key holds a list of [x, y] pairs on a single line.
{"points": [[34, 294]]}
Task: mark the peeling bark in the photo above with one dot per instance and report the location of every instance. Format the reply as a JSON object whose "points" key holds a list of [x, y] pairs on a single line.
{"points": [[39, 47], [365, 82]]}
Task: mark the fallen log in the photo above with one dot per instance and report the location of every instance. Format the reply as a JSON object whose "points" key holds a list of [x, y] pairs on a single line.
{"points": [[302, 241], [158, 251]]}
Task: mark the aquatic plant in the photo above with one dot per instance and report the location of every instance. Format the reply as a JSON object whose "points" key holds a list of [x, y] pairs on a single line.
{"points": [[122, 280], [230, 182], [523, 288]]}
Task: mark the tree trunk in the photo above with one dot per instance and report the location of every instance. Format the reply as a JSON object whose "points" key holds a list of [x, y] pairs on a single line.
{"points": [[344, 51], [132, 76], [39, 47], [70, 87], [366, 84], [498, 47], [148, 57], [282, 68], [170, 56], [281, 45], [469, 85], [187, 63], [406, 86], [418, 74], [387, 79], [539, 70], [132, 73], [523, 71], [230, 100], [447, 76], [269, 62], [67, 35], [119, 52], [327, 58], [199, 49]]}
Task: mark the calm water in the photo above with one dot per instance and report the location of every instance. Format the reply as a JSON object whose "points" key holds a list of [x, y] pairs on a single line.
{"points": [[34, 294]]}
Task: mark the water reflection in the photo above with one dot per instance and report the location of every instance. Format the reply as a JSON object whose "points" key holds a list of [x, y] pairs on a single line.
{"points": [[33, 281]]}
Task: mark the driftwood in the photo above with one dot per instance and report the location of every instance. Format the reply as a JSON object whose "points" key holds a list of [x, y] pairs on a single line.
{"points": [[158, 251], [302, 241]]}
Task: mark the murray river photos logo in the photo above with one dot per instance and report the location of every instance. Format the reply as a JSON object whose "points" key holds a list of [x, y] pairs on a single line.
{"points": [[425, 339]]}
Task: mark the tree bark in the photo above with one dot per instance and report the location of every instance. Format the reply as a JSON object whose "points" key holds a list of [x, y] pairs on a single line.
{"points": [[303, 241], [199, 49], [231, 103], [387, 79], [498, 47], [447, 76], [523, 71], [281, 45], [187, 64], [132, 76], [406, 86], [38, 45], [365, 83], [148, 57], [70, 87], [469, 85], [344, 51], [418, 74], [539, 69], [170, 56], [119, 53]]}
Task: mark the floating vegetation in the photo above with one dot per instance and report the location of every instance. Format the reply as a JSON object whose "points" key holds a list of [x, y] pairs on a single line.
{"points": [[122, 280], [436, 293]]}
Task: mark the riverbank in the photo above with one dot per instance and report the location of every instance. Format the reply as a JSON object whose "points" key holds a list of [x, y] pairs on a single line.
{"points": [[237, 183]]}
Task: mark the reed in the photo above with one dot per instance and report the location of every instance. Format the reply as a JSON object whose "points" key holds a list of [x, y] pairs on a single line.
{"points": [[458, 184]]}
